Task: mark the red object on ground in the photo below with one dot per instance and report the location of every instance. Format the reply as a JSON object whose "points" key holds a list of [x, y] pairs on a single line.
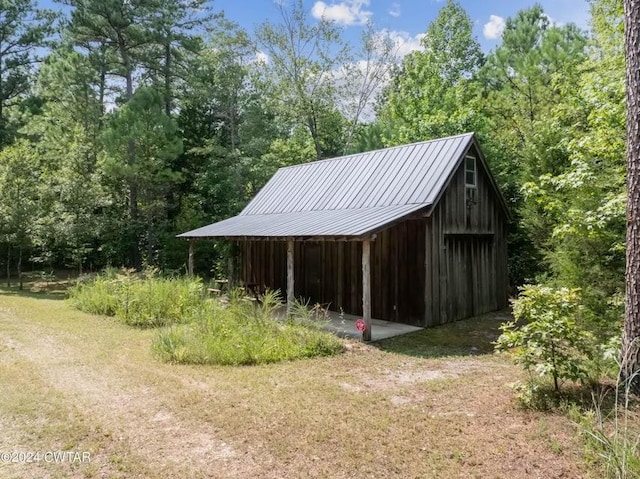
{"points": [[360, 325]]}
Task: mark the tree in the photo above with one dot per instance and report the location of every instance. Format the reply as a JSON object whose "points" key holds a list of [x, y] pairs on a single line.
{"points": [[24, 33], [528, 92], [119, 25], [631, 336], [170, 54], [142, 121], [19, 212], [122, 27], [430, 94], [65, 136], [303, 59], [547, 335], [364, 78], [585, 202], [212, 117]]}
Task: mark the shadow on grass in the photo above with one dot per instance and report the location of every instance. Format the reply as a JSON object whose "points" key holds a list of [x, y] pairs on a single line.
{"points": [[468, 337], [37, 289]]}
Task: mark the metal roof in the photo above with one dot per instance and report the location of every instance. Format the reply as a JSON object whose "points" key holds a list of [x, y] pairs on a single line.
{"points": [[352, 222], [401, 175], [347, 196]]}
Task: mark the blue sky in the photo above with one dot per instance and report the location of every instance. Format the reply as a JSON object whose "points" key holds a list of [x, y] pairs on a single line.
{"points": [[407, 18], [404, 20]]}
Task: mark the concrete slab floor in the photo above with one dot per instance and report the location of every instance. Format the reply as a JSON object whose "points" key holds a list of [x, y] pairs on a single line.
{"points": [[345, 325]]}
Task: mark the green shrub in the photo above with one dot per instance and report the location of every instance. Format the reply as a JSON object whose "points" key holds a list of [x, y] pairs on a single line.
{"points": [[536, 394], [199, 330], [157, 302], [97, 295], [547, 337], [144, 300], [243, 334]]}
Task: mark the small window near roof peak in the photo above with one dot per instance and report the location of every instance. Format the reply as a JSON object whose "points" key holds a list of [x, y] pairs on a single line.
{"points": [[470, 175], [470, 180]]}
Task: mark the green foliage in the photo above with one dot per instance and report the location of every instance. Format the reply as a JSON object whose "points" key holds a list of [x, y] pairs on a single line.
{"points": [[300, 78], [536, 394], [24, 32], [616, 448], [583, 206], [242, 333], [157, 302], [610, 429], [200, 330], [430, 95], [548, 336], [140, 142], [527, 97], [144, 301], [98, 295], [67, 142]]}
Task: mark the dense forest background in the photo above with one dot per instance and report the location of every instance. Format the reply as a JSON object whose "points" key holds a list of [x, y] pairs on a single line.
{"points": [[126, 122]]}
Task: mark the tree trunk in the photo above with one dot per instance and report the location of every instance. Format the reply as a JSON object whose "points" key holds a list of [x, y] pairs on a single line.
{"points": [[630, 373], [167, 77], [20, 266], [133, 187], [102, 87], [9, 265]]}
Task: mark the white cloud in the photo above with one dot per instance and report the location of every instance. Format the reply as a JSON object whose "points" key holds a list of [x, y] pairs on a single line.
{"points": [[347, 12], [494, 27], [394, 11], [402, 42], [262, 57]]}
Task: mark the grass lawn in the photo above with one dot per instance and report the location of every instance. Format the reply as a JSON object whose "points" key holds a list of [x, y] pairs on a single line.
{"points": [[432, 404]]}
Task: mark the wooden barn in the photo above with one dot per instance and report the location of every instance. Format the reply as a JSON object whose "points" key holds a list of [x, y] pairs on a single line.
{"points": [[413, 233]]}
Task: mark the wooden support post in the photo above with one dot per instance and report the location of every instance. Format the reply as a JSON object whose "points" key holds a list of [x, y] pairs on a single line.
{"points": [[366, 289], [290, 275], [192, 242]]}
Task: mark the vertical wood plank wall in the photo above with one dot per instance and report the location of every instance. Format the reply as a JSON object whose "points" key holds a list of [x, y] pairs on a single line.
{"points": [[427, 271], [468, 251], [330, 272]]}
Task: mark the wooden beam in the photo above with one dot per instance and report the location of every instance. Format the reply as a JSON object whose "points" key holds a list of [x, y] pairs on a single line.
{"points": [[427, 320], [290, 274], [192, 243], [366, 289]]}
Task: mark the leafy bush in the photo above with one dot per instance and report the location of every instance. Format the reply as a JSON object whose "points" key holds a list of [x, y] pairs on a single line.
{"points": [[536, 394], [547, 336], [143, 300], [159, 301], [243, 333], [97, 295], [199, 330]]}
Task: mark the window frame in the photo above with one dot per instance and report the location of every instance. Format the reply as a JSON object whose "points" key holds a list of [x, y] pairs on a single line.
{"points": [[467, 171]]}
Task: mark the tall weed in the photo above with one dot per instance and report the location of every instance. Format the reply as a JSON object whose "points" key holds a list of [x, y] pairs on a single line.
{"points": [[98, 294], [159, 301], [244, 334], [142, 300], [614, 436]]}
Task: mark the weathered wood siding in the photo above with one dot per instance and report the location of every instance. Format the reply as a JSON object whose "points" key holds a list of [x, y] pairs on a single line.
{"points": [[466, 263], [426, 271], [330, 272]]}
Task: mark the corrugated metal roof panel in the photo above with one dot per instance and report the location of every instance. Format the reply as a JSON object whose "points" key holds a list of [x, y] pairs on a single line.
{"points": [[347, 222], [348, 196], [399, 175]]}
